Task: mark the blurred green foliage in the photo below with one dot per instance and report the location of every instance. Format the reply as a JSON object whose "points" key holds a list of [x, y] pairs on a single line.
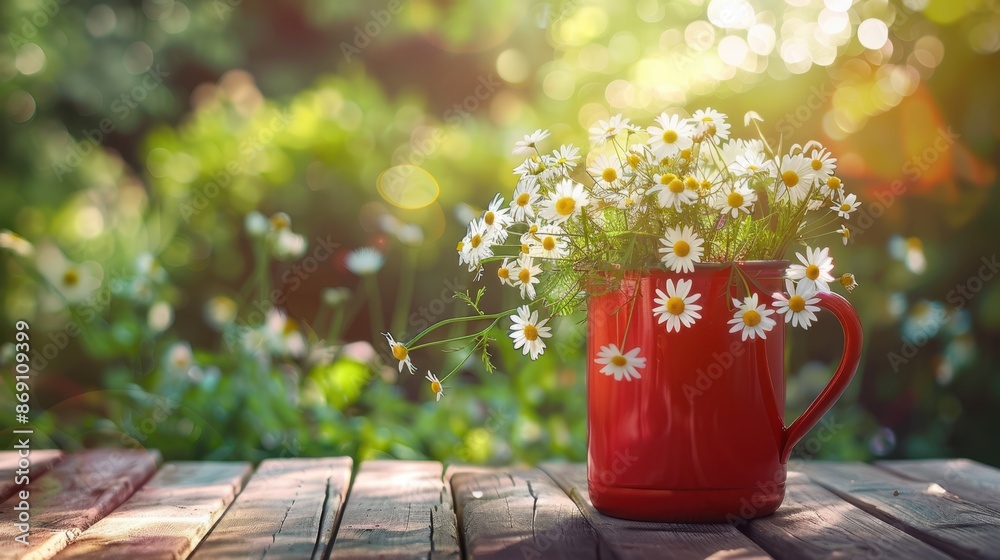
{"points": [[138, 132]]}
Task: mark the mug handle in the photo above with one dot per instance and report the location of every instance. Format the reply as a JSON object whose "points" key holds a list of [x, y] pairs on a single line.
{"points": [[851, 324]]}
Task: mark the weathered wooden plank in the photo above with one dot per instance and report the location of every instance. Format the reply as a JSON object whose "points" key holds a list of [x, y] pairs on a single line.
{"points": [[812, 522], [520, 514], [287, 510], [12, 471], [964, 478], [625, 540], [925, 510], [167, 517], [398, 509], [74, 495]]}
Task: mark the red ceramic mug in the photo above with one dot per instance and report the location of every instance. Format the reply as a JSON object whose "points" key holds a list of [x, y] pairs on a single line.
{"points": [[701, 436]]}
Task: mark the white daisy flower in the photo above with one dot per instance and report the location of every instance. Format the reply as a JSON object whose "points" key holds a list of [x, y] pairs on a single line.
{"points": [[671, 136], [75, 282], [528, 145], [606, 130], [733, 198], [286, 244], [178, 359], [605, 170], [711, 124], [527, 332], [845, 233], [681, 249], [400, 352], [749, 163], [497, 219], [504, 272], [814, 270], [220, 311], [566, 156], [477, 244], [799, 307], [848, 282], [823, 165], [795, 177], [526, 274], [752, 318], [552, 242], [436, 386], [676, 307], [16, 244], [256, 224], [566, 201], [283, 336], [364, 261], [832, 187], [522, 204], [670, 191], [847, 205], [618, 364]]}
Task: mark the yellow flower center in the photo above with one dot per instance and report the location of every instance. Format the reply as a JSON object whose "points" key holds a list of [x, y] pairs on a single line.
{"points": [[845, 207], [735, 199], [669, 136], [633, 160], [609, 175], [691, 183], [524, 275], [666, 178], [476, 241], [676, 186], [530, 333], [279, 222], [681, 248], [549, 243], [436, 386], [503, 273], [833, 183], [533, 229], [686, 154], [290, 326], [847, 280], [706, 186], [460, 246], [790, 178], [675, 306], [565, 205], [619, 360], [812, 272], [399, 352], [523, 199], [751, 318], [796, 303], [847, 233], [71, 278], [488, 218], [817, 165], [524, 248]]}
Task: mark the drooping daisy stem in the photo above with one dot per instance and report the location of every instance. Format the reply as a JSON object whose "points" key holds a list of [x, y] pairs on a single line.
{"points": [[411, 345]]}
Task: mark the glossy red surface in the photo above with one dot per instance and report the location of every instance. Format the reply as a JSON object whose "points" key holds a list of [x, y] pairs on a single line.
{"points": [[701, 436]]}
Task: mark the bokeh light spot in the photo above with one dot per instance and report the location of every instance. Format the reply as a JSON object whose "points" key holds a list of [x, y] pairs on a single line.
{"points": [[138, 58], [30, 59], [408, 186], [873, 33], [513, 66]]}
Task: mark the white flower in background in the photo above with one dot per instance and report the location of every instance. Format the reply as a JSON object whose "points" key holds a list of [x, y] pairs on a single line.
{"points": [[282, 241], [799, 307], [160, 316], [146, 265], [795, 177], [505, 272], [566, 201], [411, 235], [16, 244], [832, 187], [527, 332], [670, 192], [606, 130], [400, 352], [566, 157], [526, 274], [497, 219], [848, 282], [178, 359], [822, 164], [753, 318], [364, 261], [551, 242], [681, 249], [522, 204], [846, 206], [845, 233], [283, 336], [477, 244], [335, 297], [220, 311], [618, 364], [529, 144], [465, 213], [734, 198], [256, 224], [605, 170], [671, 136], [749, 163], [711, 124], [676, 307], [814, 270], [436, 386], [75, 282]]}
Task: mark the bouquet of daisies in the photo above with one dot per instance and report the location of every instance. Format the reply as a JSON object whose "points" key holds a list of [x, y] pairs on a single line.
{"points": [[678, 192]]}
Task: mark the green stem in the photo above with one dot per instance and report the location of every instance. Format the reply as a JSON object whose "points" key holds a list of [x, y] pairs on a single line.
{"points": [[336, 324], [262, 273]]}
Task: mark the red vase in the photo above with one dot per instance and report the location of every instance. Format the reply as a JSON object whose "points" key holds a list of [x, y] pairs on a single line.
{"points": [[701, 436]]}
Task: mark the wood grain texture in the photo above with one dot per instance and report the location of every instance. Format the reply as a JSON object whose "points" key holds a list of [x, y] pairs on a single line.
{"points": [[520, 514], [398, 509], [964, 478], [74, 495], [41, 461], [924, 510], [167, 517], [288, 509], [813, 522], [627, 540]]}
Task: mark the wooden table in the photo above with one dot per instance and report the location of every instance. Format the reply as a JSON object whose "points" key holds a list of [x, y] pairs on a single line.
{"points": [[124, 504]]}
